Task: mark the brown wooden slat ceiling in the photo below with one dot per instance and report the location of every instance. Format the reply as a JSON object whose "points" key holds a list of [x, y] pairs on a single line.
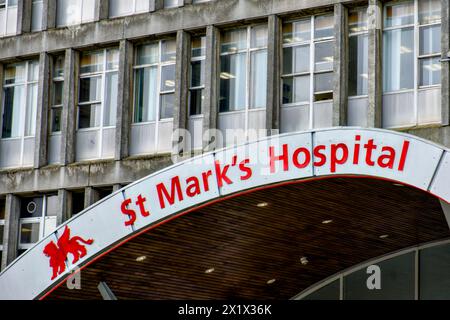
{"points": [[248, 245]]}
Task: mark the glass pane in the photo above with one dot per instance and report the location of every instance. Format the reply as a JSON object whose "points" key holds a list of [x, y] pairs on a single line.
{"points": [[167, 106], [323, 82], [31, 207], [147, 54], [430, 39], [170, 3], [110, 108], [11, 21], [198, 46], [52, 206], [258, 79], [142, 5], [232, 82], [430, 71], [90, 89], [58, 67], [168, 78], [258, 36], [298, 31], [233, 41], [398, 59], [2, 18], [2, 209], [434, 273], [357, 20], [324, 56], [33, 70], [197, 76], [57, 93], [119, 8], [15, 73], [88, 12], [145, 95], [331, 291], [30, 117], [29, 233], [296, 89], [296, 59], [429, 11], [91, 62], [168, 50], [324, 26], [2, 227], [89, 116], [358, 65], [36, 19], [397, 281], [68, 12], [112, 59], [14, 99], [195, 102], [399, 14], [56, 119]]}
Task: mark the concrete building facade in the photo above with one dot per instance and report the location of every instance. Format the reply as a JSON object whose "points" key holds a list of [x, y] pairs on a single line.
{"points": [[93, 90]]}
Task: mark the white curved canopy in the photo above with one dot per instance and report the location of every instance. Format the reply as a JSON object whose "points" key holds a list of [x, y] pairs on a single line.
{"points": [[199, 181]]}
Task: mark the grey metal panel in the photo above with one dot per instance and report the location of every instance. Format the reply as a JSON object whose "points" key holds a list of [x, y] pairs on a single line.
{"points": [[108, 142], [323, 114], [398, 110], [357, 111], [54, 148], [429, 106], [10, 153], [195, 127], [165, 132], [87, 145], [142, 139], [294, 118]]}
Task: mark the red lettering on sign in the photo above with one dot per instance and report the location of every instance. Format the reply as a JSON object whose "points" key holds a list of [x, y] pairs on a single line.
{"points": [[141, 203], [321, 156], [129, 212], [305, 162], [246, 170], [221, 174], [369, 146], [175, 191], [334, 155], [402, 162], [283, 157]]}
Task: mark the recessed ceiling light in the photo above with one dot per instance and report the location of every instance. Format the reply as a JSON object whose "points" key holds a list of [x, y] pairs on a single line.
{"points": [[210, 270], [262, 204], [271, 281], [304, 260], [141, 258], [384, 236], [327, 221], [399, 185]]}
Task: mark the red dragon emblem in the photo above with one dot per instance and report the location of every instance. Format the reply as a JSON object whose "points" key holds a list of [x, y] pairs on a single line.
{"points": [[58, 252]]}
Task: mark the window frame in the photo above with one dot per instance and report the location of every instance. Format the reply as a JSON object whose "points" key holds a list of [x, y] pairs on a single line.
{"points": [[160, 93], [79, 19], [132, 12], [56, 79], [202, 86], [102, 75], [312, 43], [33, 5], [248, 51], [5, 26]]}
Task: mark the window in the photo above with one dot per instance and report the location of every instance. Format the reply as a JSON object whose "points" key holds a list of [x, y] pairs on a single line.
{"points": [[71, 12], [200, 1], [97, 102], [154, 77], [57, 94], [36, 18], [126, 7], [197, 79], [20, 99], [358, 52], [8, 17], [37, 219], [411, 63], [77, 202], [307, 69], [243, 69]]}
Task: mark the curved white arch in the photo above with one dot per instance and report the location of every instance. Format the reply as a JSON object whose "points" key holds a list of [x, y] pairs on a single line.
{"points": [[215, 176]]}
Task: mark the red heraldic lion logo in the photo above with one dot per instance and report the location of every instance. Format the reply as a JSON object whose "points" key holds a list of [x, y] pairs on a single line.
{"points": [[58, 252]]}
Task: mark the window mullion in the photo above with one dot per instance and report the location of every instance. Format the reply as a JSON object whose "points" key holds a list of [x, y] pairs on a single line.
{"points": [[416, 59], [311, 75], [102, 102]]}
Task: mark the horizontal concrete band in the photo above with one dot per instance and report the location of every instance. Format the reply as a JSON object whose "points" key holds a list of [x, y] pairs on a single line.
{"points": [[203, 180]]}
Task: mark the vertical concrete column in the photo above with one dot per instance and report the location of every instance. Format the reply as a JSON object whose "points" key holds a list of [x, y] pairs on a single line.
{"points": [[124, 98], [181, 94], [340, 86], [70, 98], [11, 229], [65, 206], [101, 9], [91, 196], [212, 69], [445, 72], [375, 82], [156, 5], [40, 140], [49, 14], [273, 74], [24, 15]]}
